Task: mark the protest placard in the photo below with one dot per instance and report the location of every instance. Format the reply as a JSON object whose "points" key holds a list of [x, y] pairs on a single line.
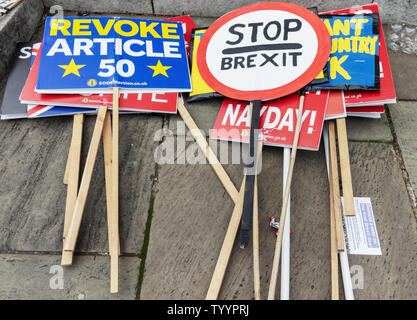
{"points": [[93, 55], [277, 121], [386, 94], [261, 52]]}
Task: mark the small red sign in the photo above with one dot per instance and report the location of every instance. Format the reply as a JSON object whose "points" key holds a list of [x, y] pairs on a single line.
{"points": [[278, 121]]}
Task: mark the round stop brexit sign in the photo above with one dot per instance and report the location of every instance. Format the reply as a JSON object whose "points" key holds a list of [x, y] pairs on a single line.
{"points": [[263, 51]]}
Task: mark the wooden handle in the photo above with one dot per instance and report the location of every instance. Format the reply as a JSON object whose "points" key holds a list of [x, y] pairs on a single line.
{"points": [[335, 187], [348, 201], [72, 172], [77, 215], [334, 267], [208, 152], [114, 283], [226, 250]]}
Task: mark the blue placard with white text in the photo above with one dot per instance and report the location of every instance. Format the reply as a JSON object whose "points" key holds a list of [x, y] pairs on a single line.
{"points": [[95, 54]]}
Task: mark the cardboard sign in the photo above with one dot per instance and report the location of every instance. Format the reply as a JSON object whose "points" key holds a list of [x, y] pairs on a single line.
{"points": [[278, 121], [354, 59], [386, 94], [336, 107], [187, 26], [263, 51], [39, 111], [201, 90], [95, 54], [11, 108], [373, 112], [143, 102]]}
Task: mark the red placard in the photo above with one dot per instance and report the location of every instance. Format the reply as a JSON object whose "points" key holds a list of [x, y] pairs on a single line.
{"points": [[265, 65], [278, 121], [336, 107]]}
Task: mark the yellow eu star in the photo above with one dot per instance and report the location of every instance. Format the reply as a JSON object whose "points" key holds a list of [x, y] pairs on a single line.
{"points": [[159, 69], [71, 68]]}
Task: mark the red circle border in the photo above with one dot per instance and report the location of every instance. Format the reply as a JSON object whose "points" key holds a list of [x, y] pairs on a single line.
{"points": [[320, 60]]}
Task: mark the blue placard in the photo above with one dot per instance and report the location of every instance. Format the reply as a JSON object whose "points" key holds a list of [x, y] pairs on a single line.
{"points": [[94, 54], [354, 56]]}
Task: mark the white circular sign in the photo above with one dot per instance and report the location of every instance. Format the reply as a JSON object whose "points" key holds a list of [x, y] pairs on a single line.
{"points": [[263, 51]]}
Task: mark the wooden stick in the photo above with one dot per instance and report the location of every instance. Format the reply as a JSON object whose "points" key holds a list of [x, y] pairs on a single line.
{"points": [[334, 267], [348, 202], [226, 250], [67, 166], [208, 152], [114, 243], [246, 224], [65, 180], [73, 169], [344, 261], [255, 232], [74, 227], [114, 285], [335, 186], [277, 253]]}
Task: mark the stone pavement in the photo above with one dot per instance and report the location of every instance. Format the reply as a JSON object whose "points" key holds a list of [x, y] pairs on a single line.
{"points": [[173, 217]]}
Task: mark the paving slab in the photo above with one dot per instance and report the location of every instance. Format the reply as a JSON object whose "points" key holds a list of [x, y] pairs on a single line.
{"points": [[398, 11], [217, 8], [192, 211], [404, 118], [205, 113], [364, 129], [38, 277], [16, 26], [404, 69], [33, 196], [125, 6]]}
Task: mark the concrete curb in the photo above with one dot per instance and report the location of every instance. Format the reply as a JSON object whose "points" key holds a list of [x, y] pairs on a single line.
{"points": [[391, 10], [18, 26]]}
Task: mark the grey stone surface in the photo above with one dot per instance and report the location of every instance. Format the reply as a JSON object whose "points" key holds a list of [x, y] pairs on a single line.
{"points": [[363, 129], [191, 216], [118, 6], [404, 70], [398, 11], [404, 118], [16, 26], [217, 8], [26, 276], [33, 196], [205, 113]]}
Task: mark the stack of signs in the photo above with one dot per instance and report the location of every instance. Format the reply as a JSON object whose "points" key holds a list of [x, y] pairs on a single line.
{"points": [[356, 101], [260, 52], [83, 63], [159, 102]]}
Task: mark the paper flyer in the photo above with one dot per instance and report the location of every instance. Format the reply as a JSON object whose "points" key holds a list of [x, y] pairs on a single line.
{"points": [[360, 230]]}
